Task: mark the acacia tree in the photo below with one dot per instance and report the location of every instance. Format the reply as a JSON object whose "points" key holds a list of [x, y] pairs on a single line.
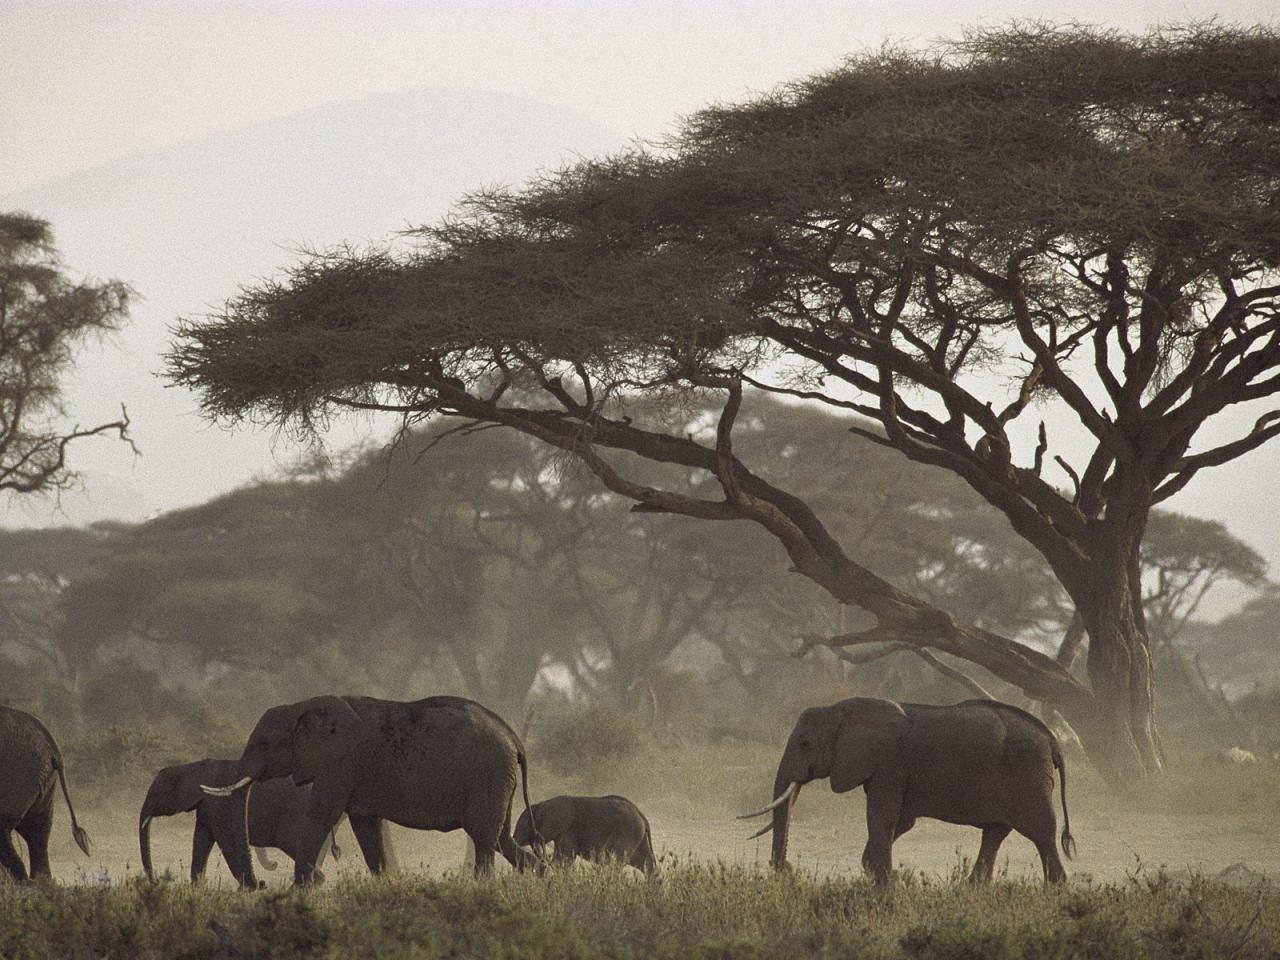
{"points": [[43, 317], [1032, 224], [1183, 559]]}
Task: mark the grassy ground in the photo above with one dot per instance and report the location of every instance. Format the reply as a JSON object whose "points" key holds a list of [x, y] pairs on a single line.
{"points": [[690, 911], [1182, 866]]}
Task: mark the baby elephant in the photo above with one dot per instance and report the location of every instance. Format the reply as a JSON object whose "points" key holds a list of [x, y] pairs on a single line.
{"points": [[594, 828]]}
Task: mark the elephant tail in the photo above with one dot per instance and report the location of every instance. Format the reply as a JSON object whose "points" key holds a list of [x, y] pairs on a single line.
{"points": [[651, 862], [1068, 841], [521, 759], [77, 831]]}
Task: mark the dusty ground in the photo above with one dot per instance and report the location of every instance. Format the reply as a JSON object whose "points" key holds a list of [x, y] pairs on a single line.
{"points": [[1211, 821]]}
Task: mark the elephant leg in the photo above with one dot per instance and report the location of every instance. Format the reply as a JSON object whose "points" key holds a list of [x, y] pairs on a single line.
{"points": [[325, 808], [9, 858], [1054, 872], [565, 853], [35, 830], [644, 860], [883, 809], [369, 836], [992, 836], [488, 824], [224, 828], [904, 824], [202, 841], [515, 855], [1039, 825], [486, 839]]}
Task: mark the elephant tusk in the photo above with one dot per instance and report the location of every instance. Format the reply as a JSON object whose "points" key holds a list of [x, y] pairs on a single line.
{"points": [[226, 791], [786, 794], [762, 831]]}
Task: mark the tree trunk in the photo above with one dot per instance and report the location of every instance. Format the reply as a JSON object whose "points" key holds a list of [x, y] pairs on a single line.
{"points": [[516, 675], [1121, 737]]}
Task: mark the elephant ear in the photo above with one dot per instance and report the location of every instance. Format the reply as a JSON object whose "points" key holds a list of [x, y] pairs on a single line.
{"points": [[870, 733], [187, 794], [326, 731]]}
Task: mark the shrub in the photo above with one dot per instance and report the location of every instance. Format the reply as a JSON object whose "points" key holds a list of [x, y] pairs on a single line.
{"points": [[116, 754], [587, 741]]}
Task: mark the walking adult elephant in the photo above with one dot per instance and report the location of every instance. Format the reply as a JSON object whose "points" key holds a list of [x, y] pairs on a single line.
{"points": [[276, 817], [982, 763], [442, 763], [29, 762]]}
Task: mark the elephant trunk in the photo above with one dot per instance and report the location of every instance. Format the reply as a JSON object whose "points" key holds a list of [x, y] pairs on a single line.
{"points": [[783, 783], [144, 841]]}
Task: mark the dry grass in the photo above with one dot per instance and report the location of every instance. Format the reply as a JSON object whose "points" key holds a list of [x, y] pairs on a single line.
{"points": [[690, 911]]}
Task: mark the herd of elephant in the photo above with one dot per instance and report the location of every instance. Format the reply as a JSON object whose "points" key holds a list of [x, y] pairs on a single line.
{"points": [[447, 763]]}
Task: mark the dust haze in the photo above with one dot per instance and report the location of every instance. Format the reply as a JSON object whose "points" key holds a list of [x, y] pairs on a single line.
{"points": [[150, 614]]}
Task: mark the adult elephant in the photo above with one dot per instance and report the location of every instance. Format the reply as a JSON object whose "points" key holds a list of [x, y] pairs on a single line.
{"points": [[442, 763], [275, 815], [981, 763], [30, 761]]}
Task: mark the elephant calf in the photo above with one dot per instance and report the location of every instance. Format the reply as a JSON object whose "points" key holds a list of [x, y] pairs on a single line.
{"points": [[276, 810], [594, 828]]}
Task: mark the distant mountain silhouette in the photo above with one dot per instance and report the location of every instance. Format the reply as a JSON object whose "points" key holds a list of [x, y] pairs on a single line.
{"points": [[187, 225]]}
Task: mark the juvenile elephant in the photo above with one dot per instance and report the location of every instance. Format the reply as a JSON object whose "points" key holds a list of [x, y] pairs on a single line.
{"points": [[275, 818], [29, 762], [982, 763], [594, 828], [442, 763]]}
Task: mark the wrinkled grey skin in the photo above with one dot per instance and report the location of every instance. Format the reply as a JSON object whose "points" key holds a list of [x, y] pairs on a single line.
{"points": [[30, 767], [982, 763], [276, 809], [443, 763], [594, 828]]}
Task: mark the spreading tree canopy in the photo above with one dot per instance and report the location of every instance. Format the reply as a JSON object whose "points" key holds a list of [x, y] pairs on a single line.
{"points": [[44, 317], [970, 246]]}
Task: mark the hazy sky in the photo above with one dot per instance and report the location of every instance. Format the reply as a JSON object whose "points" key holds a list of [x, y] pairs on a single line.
{"points": [[82, 84]]}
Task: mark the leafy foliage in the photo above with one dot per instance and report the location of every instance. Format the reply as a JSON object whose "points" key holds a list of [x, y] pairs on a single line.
{"points": [[43, 318]]}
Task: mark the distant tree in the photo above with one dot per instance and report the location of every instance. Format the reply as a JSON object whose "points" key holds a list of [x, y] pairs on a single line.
{"points": [[948, 243], [253, 581], [1239, 650], [477, 551], [44, 317], [36, 567], [1183, 558]]}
